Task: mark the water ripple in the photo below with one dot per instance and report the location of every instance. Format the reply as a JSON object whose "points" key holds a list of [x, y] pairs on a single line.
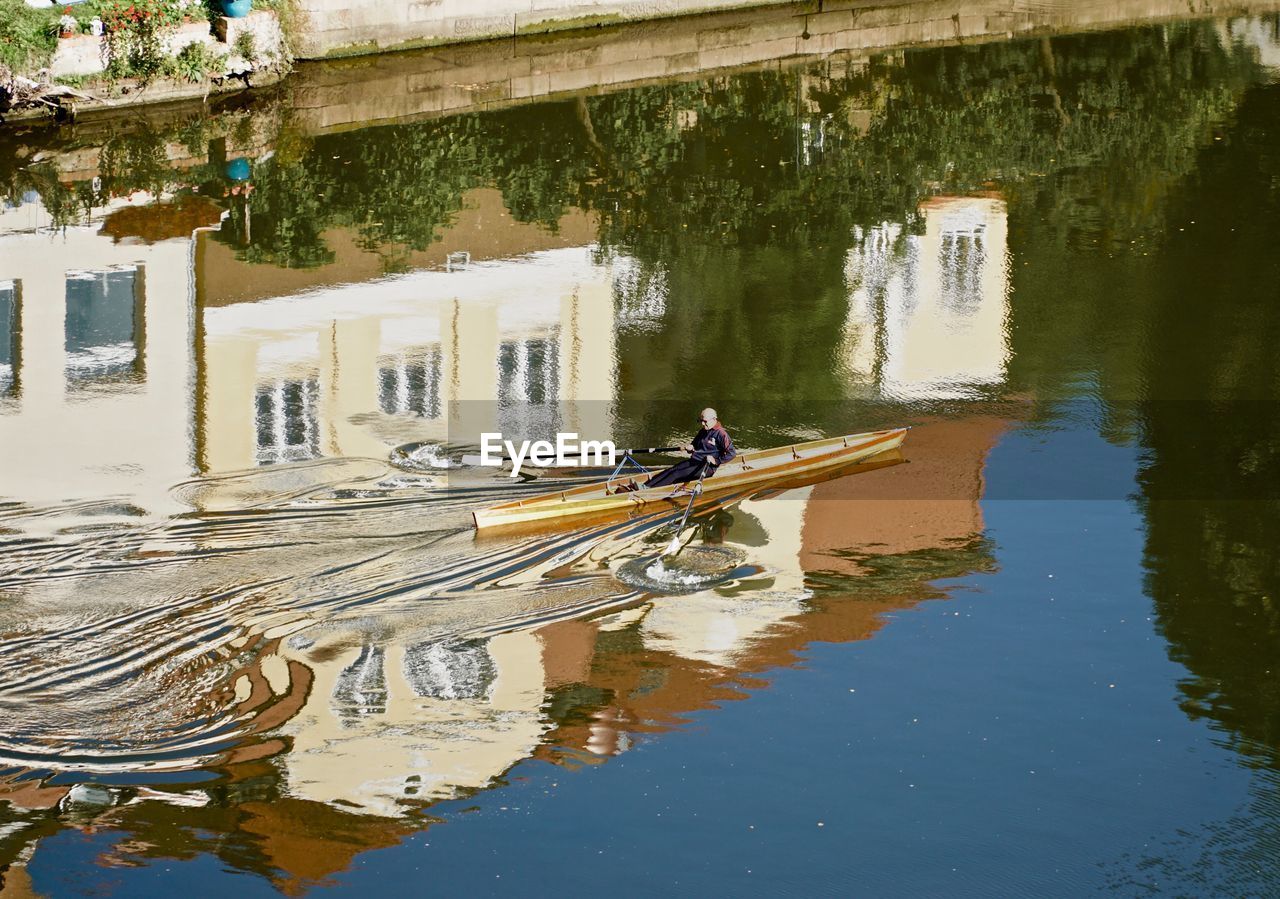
{"points": [[143, 648]]}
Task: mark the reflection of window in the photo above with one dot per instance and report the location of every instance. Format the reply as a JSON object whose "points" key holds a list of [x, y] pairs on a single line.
{"points": [[528, 386], [450, 670], [410, 383], [528, 371], [286, 421], [361, 688], [26, 199], [8, 336], [104, 323], [962, 256]]}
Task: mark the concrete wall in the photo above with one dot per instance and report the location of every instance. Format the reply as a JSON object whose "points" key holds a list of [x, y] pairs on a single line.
{"points": [[346, 27], [354, 27], [401, 87]]}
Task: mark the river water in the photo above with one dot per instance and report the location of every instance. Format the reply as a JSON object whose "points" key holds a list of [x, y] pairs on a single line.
{"points": [[250, 640]]}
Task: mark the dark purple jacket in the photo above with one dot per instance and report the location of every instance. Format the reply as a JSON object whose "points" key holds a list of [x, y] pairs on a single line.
{"points": [[713, 444]]}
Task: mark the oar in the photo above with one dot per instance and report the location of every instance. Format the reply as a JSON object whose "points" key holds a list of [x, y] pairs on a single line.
{"points": [[674, 546], [474, 458]]}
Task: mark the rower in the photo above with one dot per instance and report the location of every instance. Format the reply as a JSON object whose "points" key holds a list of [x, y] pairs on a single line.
{"points": [[711, 447]]}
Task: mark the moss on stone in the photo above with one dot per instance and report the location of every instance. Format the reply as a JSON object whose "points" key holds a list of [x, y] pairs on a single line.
{"points": [[578, 23]]}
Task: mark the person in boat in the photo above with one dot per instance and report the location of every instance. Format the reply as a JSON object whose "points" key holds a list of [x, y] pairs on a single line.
{"points": [[711, 447]]}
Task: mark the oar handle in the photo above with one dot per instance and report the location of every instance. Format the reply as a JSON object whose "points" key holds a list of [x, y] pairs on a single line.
{"points": [[651, 449]]}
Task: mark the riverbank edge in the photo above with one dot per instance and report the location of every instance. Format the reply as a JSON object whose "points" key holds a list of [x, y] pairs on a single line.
{"points": [[557, 22], [560, 21], [77, 78], [157, 93]]}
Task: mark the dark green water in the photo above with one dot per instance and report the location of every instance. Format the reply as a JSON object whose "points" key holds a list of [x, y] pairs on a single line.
{"points": [[1047, 663]]}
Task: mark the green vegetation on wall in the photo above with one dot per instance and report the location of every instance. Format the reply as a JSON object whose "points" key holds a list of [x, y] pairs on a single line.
{"points": [[27, 36]]}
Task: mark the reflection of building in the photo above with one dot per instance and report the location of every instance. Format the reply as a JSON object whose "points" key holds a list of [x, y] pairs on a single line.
{"points": [[931, 504], [825, 529], [367, 727], [106, 374], [391, 723], [838, 555], [96, 362], [1262, 34], [718, 629], [388, 726], [928, 312], [342, 359], [482, 228], [351, 370]]}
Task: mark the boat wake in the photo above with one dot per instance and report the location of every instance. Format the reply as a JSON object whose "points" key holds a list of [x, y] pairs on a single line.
{"points": [[174, 647], [150, 649]]}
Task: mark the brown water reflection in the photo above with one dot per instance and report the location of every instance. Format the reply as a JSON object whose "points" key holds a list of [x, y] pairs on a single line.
{"points": [[367, 728]]}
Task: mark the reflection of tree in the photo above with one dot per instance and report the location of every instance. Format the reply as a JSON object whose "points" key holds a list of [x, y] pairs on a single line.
{"points": [[130, 157], [782, 158], [281, 221], [893, 574], [956, 119], [399, 186], [1140, 114], [769, 158], [1214, 436]]}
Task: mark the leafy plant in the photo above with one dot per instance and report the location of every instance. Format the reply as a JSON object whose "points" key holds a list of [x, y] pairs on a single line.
{"points": [[245, 47], [67, 23], [26, 40], [195, 62], [135, 36]]}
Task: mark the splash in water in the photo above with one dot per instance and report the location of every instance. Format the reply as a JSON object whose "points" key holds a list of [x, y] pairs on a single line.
{"points": [[696, 568], [421, 457]]}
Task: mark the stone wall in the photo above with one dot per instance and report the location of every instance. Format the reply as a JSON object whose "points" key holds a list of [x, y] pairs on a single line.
{"points": [[85, 55], [400, 87], [350, 27]]}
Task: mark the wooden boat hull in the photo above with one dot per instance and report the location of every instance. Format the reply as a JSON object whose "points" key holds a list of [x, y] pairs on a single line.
{"points": [[723, 499], [747, 470]]}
